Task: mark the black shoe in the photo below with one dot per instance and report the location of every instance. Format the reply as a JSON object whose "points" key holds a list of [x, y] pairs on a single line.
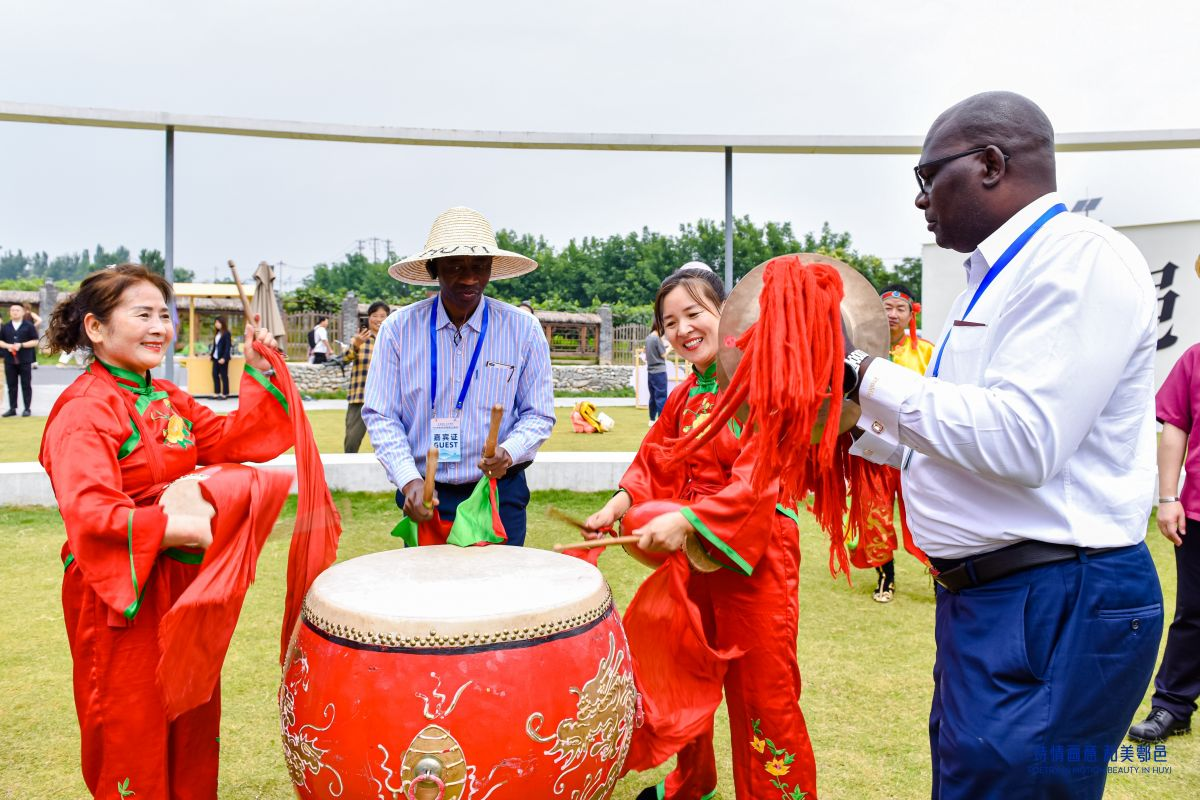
{"points": [[12, 412], [649, 793], [25, 413], [1158, 726]]}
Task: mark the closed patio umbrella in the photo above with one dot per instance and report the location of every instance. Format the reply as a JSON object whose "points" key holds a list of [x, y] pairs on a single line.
{"points": [[264, 304]]}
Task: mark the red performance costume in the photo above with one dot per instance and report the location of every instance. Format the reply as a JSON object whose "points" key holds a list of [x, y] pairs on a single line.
{"points": [[112, 443], [877, 542], [741, 620]]}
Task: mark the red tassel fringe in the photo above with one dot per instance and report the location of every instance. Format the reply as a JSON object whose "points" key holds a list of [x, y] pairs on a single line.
{"points": [[791, 366]]}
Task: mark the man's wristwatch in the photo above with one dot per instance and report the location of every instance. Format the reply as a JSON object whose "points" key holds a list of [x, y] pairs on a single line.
{"points": [[1162, 500], [852, 378]]}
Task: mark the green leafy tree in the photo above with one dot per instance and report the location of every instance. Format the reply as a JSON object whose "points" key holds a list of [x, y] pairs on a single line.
{"points": [[623, 270], [153, 260]]}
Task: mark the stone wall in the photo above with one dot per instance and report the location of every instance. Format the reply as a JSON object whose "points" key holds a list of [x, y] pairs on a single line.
{"points": [[586, 378], [311, 378], [589, 378]]}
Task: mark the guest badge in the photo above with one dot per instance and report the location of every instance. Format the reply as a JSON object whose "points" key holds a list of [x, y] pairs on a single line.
{"points": [[446, 440]]}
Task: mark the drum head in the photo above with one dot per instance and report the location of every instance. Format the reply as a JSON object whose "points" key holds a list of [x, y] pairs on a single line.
{"points": [[862, 314], [446, 596]]}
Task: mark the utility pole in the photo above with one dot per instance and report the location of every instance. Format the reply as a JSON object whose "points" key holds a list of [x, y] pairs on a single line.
{"points": [[361, 244], [388, 249]]}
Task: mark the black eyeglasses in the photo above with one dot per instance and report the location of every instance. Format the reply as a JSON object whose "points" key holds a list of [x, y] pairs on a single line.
{"points": [[924, 183]]}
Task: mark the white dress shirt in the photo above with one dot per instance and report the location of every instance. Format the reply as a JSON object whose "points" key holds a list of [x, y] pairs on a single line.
{"points": [[1040, 423]]}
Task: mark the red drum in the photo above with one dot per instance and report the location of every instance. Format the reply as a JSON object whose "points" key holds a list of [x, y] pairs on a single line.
{"points": [[439, 673]]}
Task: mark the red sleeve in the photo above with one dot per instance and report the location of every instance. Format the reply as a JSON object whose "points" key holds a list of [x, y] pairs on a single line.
{"points": [[1173, 403], [113, 541], [259, 430], [645, 480], [737, 522]]}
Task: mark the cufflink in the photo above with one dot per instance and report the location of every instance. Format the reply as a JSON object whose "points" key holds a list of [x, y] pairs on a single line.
{"points": [[877, 426]]}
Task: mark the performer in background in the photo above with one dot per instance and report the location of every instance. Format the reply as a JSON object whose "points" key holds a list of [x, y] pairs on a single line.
{"points": [[441, 364], [877, 544], [113, 441], [1027, 455], [751, 606], [222, 351]]}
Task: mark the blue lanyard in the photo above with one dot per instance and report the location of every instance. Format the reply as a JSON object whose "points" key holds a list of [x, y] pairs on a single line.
{"points": [[433, 355], [1000, 264]]}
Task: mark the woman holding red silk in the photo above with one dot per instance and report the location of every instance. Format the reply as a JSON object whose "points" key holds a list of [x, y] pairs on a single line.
{"points": [[114, 440], [693, 634]]}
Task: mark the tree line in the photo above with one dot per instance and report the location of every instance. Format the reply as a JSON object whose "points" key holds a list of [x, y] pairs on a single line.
{"points": [[28, 271], [623, 271]]}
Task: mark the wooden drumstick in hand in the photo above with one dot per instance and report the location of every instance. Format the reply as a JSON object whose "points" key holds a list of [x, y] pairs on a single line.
{"points": [[430, 475], [489, 446], [591, 543], [242, 293]]}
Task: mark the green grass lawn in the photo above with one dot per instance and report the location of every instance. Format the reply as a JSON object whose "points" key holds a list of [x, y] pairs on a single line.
{"points": [[22, 436], [866, 667]]}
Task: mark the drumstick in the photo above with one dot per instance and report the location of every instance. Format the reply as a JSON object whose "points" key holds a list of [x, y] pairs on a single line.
{"points": [[489, 447], [430, 474], [591, 543], [563, 516], [242, 293]]}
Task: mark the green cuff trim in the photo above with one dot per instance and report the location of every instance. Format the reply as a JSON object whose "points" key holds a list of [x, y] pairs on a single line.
{"points": [[131, 612], [265, 382], [710, 796], [660, 790], [183, 556], [790, 513], [742, 565], [70, 560], [131, 443]]}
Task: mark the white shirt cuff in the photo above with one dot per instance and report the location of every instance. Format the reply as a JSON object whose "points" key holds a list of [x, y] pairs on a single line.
{"points": [[870, 447], [885, 388]]}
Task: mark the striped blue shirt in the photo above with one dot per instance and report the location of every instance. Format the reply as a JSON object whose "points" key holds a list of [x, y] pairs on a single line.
{"points": [[513, 371]]}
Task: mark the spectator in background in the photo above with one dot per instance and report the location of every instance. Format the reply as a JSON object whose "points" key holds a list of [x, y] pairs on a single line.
{"points": [[656, 373], [359, 356], [19, 338], [222, 350], [1177, 684], [319, 341]]}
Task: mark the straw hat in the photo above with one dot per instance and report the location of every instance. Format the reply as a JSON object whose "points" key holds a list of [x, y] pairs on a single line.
{"points": [[461, 231]]}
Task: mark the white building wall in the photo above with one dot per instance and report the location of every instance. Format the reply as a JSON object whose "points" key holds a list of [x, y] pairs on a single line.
{"points": [[1163, 244]]}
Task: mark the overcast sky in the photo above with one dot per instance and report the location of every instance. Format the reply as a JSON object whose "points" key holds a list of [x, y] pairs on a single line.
{"points": [[878, 67]]}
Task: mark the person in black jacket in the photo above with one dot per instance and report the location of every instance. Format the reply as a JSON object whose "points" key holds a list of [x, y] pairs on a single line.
{"points": [[19, 338], [222, 350]]}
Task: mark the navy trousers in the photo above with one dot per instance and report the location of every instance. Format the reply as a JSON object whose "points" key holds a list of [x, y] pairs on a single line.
{"points": [[656, 382], [1038, 675], [1177, 684], [512, 490]]}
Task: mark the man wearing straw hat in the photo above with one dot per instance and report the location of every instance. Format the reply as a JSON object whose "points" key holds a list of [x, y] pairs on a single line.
{"points": [[441, 364]]}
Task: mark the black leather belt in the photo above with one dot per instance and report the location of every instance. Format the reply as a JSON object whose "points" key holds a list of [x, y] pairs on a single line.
{"points": [[956, 574]]}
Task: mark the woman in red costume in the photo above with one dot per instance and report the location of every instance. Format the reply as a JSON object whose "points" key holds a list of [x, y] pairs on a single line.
{"points": [[748, 611], [113, 441]]}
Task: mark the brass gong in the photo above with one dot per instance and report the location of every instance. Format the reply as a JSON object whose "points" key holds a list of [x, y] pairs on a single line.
{"points": [[862, 314]]}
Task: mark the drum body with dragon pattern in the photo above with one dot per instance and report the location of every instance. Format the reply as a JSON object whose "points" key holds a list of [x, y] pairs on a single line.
{"points": [[446, 673]]}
